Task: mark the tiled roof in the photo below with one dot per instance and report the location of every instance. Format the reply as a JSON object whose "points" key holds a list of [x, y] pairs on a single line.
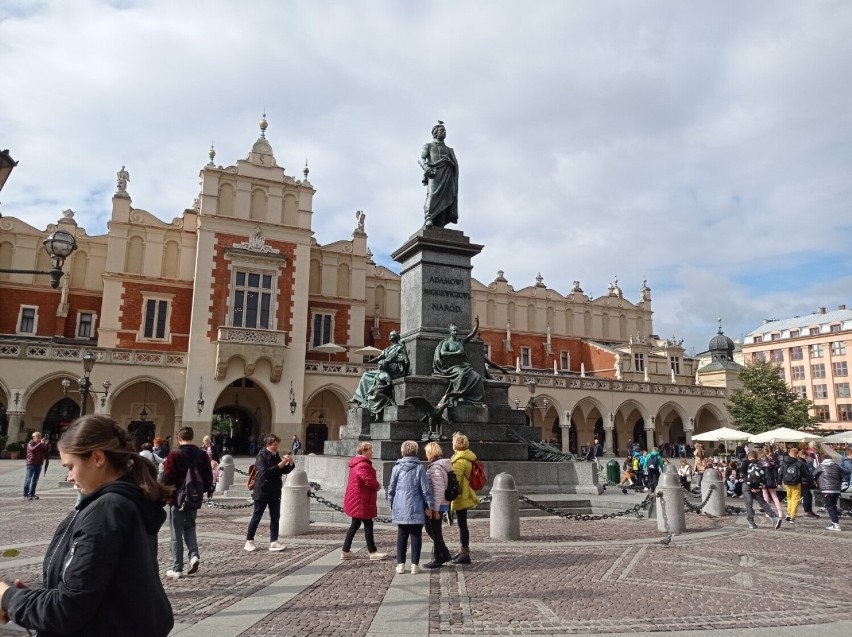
{"points": [[809, 320]]}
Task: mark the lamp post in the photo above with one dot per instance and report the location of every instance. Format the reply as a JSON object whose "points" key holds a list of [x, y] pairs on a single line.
{"points": [[59, 247], [292, 399], [7, 164], [85, 385]]}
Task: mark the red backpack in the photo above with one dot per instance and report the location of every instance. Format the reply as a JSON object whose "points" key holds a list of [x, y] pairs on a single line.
{"points": [[478, 477]]}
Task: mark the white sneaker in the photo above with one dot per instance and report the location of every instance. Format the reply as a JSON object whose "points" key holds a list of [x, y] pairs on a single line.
{"points": [[833, 527], [347, 555], [250, 546], [415, 569], [400, 568], [194, 561], [174, 574], [378, 556], [276, 546]]}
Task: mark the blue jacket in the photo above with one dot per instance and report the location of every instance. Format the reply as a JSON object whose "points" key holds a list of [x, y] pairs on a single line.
{"points": [[409, 492]]}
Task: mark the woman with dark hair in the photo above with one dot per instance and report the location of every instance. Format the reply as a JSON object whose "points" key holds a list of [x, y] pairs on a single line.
{"points": [[269, 468], [100, 574]]}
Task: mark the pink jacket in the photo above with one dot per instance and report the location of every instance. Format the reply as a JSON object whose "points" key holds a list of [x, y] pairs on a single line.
{"points": [[361, 489], [437, 473]]}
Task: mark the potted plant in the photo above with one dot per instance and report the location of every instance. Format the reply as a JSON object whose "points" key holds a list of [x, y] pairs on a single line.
{"points": [[14, 449]]}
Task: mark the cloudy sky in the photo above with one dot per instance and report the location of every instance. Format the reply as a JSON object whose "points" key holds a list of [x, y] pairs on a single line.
{"points": [[707, 146]]}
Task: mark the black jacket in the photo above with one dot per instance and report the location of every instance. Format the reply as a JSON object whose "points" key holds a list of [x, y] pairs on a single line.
{"points": [[268, 480], [100, 573]]}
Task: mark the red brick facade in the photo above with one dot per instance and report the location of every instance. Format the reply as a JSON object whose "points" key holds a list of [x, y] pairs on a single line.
{"points": [[341, 328], [132, 314], [222, 276]]}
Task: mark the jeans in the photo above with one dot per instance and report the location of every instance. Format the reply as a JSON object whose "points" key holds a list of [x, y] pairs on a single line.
{"points": [[182, 529], [403, 532], [31, 481], [794, 495], [368, 534], [831, 506], [274, 517], [748, 497]]}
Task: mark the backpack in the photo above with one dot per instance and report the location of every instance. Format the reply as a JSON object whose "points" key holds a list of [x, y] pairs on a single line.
{"points": [[252, 477], [653, 462], [190, 494], [792, 473], [755, 476], [478, 477], [453, 489]]}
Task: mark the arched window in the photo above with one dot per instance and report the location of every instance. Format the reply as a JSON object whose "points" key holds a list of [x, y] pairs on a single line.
{"points": [[79, 267], [381, 299], [257, 211], [315, 282], [343, 278], [490, 313], [135, 255], [171, 259], [531, 318], [226, 200]]}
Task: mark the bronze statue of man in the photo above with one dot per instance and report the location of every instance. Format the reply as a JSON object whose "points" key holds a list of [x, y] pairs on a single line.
{"points": [[441, 178]]}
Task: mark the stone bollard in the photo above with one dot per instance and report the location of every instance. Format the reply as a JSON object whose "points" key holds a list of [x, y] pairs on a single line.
{"points": [[505, 509], [295, 505], [226, 464], [671, 517], [716, 504]]}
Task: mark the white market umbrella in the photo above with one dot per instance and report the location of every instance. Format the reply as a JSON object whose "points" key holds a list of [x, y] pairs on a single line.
{"points": [[839, 438], [369, 350], [783, 434], [328, 348], [725, 433]]}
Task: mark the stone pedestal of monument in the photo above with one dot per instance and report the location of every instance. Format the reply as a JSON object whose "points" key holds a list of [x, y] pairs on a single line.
{"points": [[435, 292]]}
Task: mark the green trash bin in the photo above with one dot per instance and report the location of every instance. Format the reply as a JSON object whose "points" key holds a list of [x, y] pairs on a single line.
{"points": [[613, 472]]}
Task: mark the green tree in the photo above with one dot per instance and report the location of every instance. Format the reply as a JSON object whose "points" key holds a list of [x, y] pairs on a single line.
{"points": [[765, 401]]}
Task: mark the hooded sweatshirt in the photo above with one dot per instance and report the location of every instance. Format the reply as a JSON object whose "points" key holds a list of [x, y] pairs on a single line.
{"points": [[100, 573], [438, 473]]}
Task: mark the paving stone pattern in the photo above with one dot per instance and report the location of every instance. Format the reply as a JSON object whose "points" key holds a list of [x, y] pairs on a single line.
{"points": [[565, 577]]}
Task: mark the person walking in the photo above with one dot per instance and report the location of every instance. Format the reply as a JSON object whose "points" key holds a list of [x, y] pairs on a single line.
{"points": [[791, 478], [439, 471], [770, 472], [410, 498], [359, 502], [99, 575], [462, 462], [653, 468], [830, 476], [754, 484], [296, 449], [182, 518], [37, 451], [269, 469]]}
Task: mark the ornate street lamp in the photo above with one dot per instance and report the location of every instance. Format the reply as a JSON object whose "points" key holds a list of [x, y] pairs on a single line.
{"points": [[292, 399], [59, 247], [85, 385]]}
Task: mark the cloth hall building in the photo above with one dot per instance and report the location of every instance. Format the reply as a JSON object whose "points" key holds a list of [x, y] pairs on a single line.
{"points": [[218, 314]]}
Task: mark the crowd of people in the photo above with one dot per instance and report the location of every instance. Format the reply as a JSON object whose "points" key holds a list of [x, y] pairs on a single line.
{"points": [[799, 474], [125, 497]]}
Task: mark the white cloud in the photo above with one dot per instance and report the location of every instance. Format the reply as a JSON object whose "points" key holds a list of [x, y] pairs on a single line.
{"points": [[703, 145]]}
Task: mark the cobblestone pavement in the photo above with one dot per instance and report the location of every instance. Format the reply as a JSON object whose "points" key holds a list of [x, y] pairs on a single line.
{"points": [[608, 577]]}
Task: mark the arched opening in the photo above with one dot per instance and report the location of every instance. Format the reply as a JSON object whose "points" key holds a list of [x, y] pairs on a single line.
{"points": [[242, 417], [325, 414], [61, 414]]}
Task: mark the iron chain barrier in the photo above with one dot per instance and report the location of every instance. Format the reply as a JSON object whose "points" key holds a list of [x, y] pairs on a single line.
{"points": [[586, 517]]}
